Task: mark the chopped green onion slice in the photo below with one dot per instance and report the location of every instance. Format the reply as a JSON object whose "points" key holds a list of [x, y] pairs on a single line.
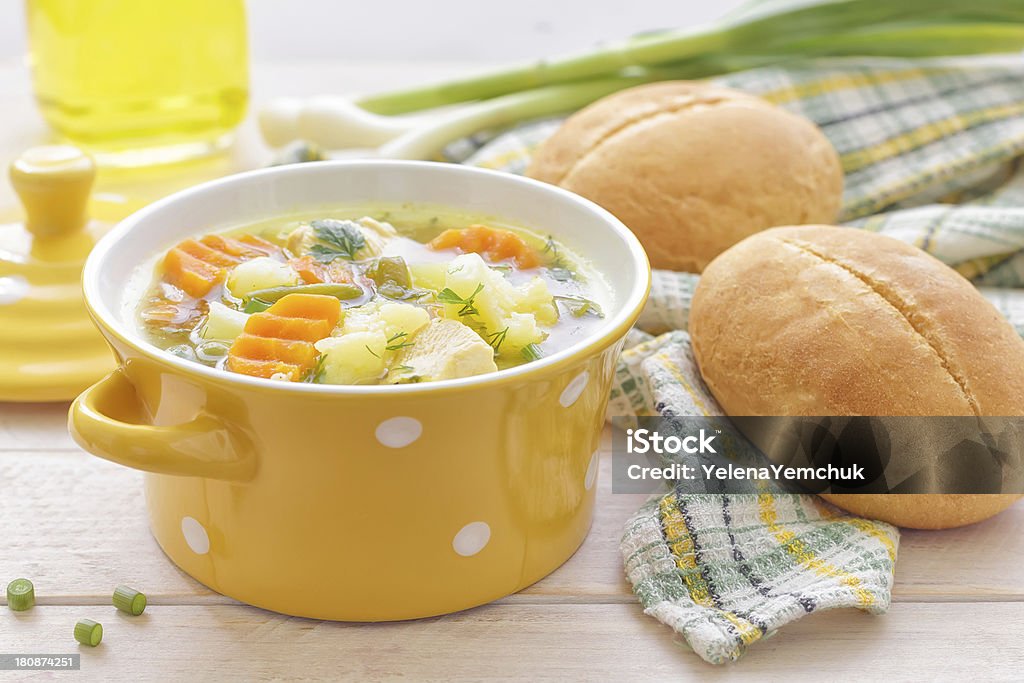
{"points": [[21, 595], [88, 632], [129, 600]]}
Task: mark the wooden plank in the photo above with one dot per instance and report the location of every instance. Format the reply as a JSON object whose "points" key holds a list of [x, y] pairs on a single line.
{"points": [[34, 426], [552, 642], [981, 561], [79, 526]]}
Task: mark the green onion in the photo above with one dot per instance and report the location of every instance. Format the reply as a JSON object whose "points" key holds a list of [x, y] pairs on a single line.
{"points": [[765, 28], [340, 290], [21, 595], [88, 632], [427, 139], [764, 32], [297, 153], [129, 600]]}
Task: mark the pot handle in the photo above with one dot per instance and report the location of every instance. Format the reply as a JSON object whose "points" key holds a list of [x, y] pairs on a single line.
{"points": [[205, 447]]}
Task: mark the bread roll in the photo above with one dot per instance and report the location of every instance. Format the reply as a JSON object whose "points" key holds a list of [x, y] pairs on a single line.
{"points": [[693, 168], [817, 320]]}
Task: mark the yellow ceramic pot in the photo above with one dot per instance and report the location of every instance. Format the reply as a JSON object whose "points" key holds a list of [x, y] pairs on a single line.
{"points": [[360, 503]]}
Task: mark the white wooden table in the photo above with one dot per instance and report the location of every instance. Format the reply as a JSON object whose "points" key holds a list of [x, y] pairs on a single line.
{"points": [[76, 526]]}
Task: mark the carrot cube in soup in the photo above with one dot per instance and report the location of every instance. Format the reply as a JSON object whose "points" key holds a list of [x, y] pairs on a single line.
{"points": [[284, 334], [234, 247], [313, 271], [259, 243], [264, 368], [208, 254], [494, 243], [267, 324], [254, 347], [195, 276], [309, 306]]}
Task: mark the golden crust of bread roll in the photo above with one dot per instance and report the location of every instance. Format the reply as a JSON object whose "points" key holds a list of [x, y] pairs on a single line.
{"points": [[817, 320], [693, 168]]}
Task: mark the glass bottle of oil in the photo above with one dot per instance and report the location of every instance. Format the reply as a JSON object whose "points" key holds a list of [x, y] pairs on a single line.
{"points": [[140, 82]]}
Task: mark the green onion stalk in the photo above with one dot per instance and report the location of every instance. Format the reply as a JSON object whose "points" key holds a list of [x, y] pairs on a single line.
{"points": [[418, 122], [816, 29], [428, 140]]}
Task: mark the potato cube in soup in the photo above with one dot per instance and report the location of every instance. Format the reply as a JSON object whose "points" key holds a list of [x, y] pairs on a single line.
{"points": [[224, 323], [405, 318], [499, 304], [260, 273], [522, 331], [535, 298], [389, 319], [430, 275], [353, 358]]}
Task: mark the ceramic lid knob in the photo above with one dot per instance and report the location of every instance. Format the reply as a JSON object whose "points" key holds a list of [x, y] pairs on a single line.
{"points": [[54, 183]]}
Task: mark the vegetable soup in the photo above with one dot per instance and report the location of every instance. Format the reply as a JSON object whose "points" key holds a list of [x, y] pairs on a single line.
{"points": [[389, 296]]}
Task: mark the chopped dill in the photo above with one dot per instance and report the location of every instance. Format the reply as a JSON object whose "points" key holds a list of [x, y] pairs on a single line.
{"points": [[317, 373], [532, 352], [397, 342], [447, 296], [557, 269], [496, 339]]}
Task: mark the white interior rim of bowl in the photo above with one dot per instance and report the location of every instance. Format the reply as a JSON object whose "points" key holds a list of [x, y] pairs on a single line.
{"points": [[603, 336]]}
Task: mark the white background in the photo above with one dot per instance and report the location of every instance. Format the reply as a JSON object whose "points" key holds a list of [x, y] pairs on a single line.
{"points": [[434, 30]]}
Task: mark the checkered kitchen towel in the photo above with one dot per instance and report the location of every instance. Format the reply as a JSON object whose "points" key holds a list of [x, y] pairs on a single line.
{"points": [[931, 153]]}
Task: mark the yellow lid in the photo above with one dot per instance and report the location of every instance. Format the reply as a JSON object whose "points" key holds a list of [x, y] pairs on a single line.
{"points": [[49, 348]]}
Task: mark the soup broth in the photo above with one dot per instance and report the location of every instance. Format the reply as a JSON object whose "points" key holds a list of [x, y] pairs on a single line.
{"points": [[379, 295]]}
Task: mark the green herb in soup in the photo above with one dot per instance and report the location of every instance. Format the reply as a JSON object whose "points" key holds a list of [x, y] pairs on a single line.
{"points": [[341, 301]]}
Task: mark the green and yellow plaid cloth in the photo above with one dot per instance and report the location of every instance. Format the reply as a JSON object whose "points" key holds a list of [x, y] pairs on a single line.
{"points": [[931, 152]]}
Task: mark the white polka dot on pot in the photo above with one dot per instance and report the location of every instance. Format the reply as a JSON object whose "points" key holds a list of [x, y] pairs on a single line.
{"points": [[399, 432], [574, 389], [471, 538], [591, 476], [195, 535]]}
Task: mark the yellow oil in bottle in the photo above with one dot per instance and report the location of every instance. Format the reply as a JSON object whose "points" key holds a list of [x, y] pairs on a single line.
{"points": [[139, 82]]}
